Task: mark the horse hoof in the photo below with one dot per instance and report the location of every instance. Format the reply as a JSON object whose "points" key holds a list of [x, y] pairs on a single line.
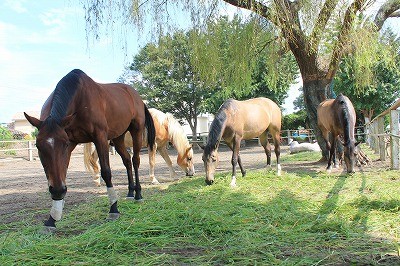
{"points": [[113, 216], [139, 200], [48, 230], [155, 182], [130, 198]]}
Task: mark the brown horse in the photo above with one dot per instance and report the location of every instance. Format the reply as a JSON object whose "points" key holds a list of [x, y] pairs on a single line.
{"points": [[80, 110], [241, 120], [168, 130], [337, 116]]}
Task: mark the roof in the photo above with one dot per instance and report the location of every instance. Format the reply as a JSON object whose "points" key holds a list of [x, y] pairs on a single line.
{"points": [[20, 115]]}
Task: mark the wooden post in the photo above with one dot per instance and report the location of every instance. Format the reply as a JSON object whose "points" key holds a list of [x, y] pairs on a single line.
{"points": [[394, 131], [381, 130], [30, 150], [375, 141]]}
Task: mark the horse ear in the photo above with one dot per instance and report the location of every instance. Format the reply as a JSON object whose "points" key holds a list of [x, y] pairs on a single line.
{"points": [[66, 120], [33, 121]]}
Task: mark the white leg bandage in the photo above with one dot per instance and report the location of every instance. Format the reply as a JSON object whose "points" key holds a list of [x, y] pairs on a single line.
{"points": [[112, 195], [56, 209], [278, 169], [233, 182]]}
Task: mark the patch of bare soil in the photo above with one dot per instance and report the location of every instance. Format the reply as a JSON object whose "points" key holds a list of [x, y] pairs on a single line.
{"points": [[24, 191]]}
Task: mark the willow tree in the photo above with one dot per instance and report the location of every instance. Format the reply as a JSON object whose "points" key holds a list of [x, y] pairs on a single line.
{"points": [[318, 33]]}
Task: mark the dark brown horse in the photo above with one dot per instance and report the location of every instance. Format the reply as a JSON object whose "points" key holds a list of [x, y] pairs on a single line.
{"points": [[241, 120], [337, 116], [81, 110]]}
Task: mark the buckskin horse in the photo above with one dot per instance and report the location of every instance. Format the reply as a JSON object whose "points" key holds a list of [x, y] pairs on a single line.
{"points": [[168, 130], [337, 116], [80, 110], [242, 120]]}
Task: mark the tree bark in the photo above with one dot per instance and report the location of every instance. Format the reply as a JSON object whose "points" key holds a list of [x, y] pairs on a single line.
{"points": [[315, 92]]}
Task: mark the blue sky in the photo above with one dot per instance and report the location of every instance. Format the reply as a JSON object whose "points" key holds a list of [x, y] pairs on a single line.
{"points": [[42, 40]]}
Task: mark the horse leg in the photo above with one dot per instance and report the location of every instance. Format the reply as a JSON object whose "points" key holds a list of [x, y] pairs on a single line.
{"points": [[152, 161], [57, 206], [331, 154], [104, 159], [137, 145], [167, 159], [276, 138], [96, 170], [267, 147], [235, 154], [119, 145]]}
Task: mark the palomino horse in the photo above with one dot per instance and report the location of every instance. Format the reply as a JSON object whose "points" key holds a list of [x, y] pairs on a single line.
{"points": [[237, 120], [338, 117], [168, 129], [81, 110]]}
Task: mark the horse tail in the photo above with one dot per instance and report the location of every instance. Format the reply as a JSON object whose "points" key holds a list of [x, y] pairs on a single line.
{"points": [[151, 131], [88, 159]]}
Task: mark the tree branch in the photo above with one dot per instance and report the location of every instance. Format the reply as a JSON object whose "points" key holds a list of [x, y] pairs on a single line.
{"points": [[321, 22], [389, 9], [254, 6], [348, 20]]}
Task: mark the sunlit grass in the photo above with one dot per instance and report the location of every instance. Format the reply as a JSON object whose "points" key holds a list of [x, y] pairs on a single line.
{"points": [[295, 219]]}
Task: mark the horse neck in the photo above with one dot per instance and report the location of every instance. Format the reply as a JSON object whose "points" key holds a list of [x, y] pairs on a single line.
{"points": [[177, 135]]}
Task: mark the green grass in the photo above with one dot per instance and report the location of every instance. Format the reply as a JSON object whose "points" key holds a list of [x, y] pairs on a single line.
{"points": [[267, 220]]}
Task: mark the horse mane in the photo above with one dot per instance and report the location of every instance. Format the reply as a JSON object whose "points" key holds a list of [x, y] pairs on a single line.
{"points": [[216, 128], [64, 93], [345, 116], [176, 134]]}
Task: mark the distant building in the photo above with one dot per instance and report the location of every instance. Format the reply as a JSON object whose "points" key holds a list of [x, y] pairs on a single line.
{"points": [[20, 123], [203, 125]]}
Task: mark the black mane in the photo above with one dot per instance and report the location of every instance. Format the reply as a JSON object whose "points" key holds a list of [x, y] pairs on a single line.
{"points": [[64, 93], [345, 117], [216, 128]]}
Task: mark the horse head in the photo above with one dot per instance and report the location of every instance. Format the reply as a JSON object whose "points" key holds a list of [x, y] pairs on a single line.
{"points": [[210, 159], [54, 149], [185, 161], [350, 155]]}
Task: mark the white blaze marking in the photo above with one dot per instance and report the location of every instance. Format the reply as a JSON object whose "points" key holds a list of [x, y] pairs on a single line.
{"points": [[51, 142]]}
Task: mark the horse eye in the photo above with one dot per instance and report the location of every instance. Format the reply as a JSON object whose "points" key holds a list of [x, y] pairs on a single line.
{"points": [[189, 159]]}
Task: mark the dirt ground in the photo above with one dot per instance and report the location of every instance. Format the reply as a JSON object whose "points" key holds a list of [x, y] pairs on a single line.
{"points": [[23, 185]]}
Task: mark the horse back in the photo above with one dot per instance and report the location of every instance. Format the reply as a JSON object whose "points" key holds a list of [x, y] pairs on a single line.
{"points": [[255, 116]]}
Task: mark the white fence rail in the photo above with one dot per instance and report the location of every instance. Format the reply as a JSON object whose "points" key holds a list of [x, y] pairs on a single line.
{"points": [[380, 139]]}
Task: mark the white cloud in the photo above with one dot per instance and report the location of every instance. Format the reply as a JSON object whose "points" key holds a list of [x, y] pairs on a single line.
{"points": [[16, 5]]}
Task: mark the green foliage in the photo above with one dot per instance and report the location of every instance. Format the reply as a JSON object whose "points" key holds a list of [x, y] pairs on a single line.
{"points": [[5, 133], [382, 88], [163, 75], [296, 120], [198, 70]]}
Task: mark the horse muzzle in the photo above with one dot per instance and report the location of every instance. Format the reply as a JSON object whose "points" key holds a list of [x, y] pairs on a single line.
{"points": [[209, 182], [58, 193]]}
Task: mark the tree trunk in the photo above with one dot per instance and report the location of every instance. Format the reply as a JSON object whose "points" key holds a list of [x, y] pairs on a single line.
{"points": [[316, 91]]}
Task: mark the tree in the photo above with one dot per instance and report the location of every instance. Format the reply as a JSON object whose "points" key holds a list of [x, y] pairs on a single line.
{"points": [[318, 33], [379, 94], [163, 75]]}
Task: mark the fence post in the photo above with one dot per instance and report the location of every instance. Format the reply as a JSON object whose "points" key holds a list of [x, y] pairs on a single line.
{"points": [[394, 147], [381, 130], [30, 150]]}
